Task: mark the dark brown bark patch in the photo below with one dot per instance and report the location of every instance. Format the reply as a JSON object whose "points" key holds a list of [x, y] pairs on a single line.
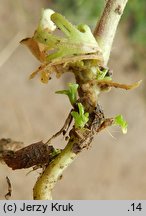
{"points": [[29, 156]]}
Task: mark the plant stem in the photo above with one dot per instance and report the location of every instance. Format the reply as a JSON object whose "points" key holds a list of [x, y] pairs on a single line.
{"points": [[104, 33], [106, 27], [44, 185], [46, 182]]}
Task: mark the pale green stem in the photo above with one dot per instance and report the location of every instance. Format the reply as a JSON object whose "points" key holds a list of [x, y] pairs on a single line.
{"points": [[107, 26], [45, 184]]}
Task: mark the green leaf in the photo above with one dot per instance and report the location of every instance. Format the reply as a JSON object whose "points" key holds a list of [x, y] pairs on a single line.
{"points": [[76, 40], [119, 120], [80, 117], [71, 92]]}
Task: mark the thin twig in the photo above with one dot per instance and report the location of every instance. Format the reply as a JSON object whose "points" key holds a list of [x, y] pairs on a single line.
{"points": [[63, 130], [9, 193]]}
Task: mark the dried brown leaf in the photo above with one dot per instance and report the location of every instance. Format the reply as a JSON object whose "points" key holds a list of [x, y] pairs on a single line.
{"points": [[36, 48], [105, 84]]}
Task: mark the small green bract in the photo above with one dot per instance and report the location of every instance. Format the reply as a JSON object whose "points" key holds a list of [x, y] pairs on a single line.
{"points": [[80, 117], [71, 92], [119, 120]]}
